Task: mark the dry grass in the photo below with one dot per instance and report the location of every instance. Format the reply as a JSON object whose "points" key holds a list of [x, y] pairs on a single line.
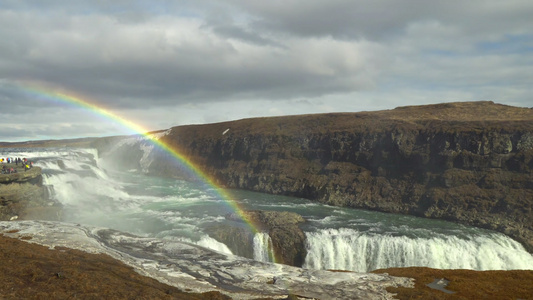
{"points": [[466, 284], [29, 271], [457, 116]]}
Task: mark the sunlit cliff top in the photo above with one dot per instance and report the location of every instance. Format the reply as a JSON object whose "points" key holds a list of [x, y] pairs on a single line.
{"points": [[457, 116]]}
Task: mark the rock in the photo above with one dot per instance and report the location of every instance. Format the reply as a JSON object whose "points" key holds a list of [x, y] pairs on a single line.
{"points": [[289, 245], [32, 176], [22, 196], [270, 219], [238, 238], [288, 240]]}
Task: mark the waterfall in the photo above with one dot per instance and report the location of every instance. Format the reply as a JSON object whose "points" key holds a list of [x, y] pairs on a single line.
{"points": [[93, 193], [213, 244], [263, 247], [348, 249]]}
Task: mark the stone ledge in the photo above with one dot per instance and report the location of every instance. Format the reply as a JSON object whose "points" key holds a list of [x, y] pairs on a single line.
{"points": [[21, 175]]}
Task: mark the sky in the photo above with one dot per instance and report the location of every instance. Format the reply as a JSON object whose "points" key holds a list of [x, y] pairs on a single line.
{"points": [[160, 64]]}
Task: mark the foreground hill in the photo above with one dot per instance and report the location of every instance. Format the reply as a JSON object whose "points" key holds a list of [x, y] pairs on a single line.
{"points": [[468, 162]]}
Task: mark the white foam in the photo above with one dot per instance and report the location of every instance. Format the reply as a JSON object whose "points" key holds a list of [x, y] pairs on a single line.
{"points": [[210, 243], [348, 249], [263, 250]]}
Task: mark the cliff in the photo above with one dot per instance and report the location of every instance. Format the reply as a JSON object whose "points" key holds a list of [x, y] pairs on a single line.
{"points": [[81, 142], [22, 196], [469, 162]]}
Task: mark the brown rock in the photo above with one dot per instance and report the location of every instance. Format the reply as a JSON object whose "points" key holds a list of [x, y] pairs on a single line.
{"points": [[22, 196], [288, 240]]}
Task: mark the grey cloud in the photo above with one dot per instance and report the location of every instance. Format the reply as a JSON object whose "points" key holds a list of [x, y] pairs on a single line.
{"points": [[8, 133], [336, 18], [169, 54], [51, 131], [169, 60], [236, 32], [383, 18]]}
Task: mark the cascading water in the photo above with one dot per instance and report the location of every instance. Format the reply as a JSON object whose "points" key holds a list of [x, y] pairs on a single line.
{"points": [[263, 247], [93, 193], [348, 249]]}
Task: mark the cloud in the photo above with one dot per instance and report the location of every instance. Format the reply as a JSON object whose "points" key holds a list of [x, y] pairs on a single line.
{"points": [[381, 19], [175, 59], [204, 60]]}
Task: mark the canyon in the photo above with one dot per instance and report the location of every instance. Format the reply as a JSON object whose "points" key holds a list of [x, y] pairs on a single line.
{"points": [[466, 162]]}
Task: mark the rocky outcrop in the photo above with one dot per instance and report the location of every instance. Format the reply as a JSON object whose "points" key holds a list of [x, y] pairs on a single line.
{"points": [[237, 237], [22, 196], [469, 162], [288, 240]]}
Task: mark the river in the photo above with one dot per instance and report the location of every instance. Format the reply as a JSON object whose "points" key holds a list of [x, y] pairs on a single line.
{"points": [[94, 194]]}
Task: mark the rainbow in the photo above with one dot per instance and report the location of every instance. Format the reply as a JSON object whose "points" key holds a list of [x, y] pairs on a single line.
{"points": [[51, 95]]}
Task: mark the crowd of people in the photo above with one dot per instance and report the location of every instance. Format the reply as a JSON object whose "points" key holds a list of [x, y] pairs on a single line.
{"points": [[9, 169]]}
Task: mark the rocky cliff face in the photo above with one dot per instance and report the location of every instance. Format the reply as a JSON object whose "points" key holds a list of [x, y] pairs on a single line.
{"points": [[22, 196], [288, 240], [465, 162]]}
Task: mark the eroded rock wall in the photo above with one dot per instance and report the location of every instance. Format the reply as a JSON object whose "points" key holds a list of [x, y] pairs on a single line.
{"points": [[288, 240], [22, 194]]}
